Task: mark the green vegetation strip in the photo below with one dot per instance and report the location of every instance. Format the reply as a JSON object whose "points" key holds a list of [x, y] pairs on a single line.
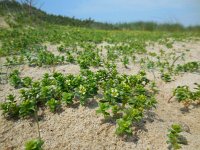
{"points": [[125, 98]]}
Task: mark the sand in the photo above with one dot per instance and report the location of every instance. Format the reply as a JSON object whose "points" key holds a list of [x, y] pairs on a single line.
{"points": [[3, 23]]}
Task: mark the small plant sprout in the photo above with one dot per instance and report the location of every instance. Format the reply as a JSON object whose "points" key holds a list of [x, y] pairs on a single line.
{"points": [[35, 144], [166, 77], [174, 137], [125, 61]]}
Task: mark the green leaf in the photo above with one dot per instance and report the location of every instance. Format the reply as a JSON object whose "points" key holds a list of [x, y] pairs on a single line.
{"points": [[67, 97]]}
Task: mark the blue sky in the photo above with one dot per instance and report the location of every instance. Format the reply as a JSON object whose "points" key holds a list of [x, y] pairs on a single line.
{"points": [[186, 12]]}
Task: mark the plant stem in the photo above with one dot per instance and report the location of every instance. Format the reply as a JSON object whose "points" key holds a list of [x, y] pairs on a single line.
{"points": [[170, 99], [37, 122]]}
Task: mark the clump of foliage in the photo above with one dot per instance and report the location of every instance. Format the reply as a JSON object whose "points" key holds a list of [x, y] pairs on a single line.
{"points": [[125, 99], [189, 67], [53, 104], [44, 57], [70, 58], [10, 107], [164, 62], [61, 48], [166, 77], [35, 144], [186, 96], [89, 57], [67, 98], [27, 108], [27, 82], [16, 81], [174, 137], [15, 60], [51, 91]]}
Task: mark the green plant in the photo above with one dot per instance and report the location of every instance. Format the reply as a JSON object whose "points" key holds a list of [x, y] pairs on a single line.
{"points": [[166, 77], [15, 79], [18, 82], [88, 58], [27, 108], [186, 96], [169, 45], [43, 57], [67, 98], [174, 137], [84, 64], [35, 144], [61, 48], [188, 67], [124, 124], [103, 108], [182, 93], [82, 94], [70, 58], [27, 81], [154, 87], [125, 97], [14, 60], [53, 104], [125, 100], [124, 127], [125, 61], [10, 107], [195, 96]]}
